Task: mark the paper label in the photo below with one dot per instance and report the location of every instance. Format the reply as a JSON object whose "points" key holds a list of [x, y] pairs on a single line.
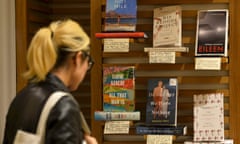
{"points": [[116, 45]]}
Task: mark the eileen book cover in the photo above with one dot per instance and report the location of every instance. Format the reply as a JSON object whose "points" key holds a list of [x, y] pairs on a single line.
{"points": [[161, 108], [167, 26], [118, 88], [121, 15], [212, 33]]}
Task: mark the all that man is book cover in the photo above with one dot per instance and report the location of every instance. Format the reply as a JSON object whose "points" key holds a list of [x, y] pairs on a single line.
{"points": [[212, 33], [121, 15], [118, 88], [161, 105], [167, 26]]}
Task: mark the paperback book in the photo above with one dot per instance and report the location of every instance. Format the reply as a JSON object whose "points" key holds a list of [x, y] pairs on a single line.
{"points": [[167, 26], [121, 15], [118, 88], [161, 107], [212, 33], [208, 117], [112, 116]]}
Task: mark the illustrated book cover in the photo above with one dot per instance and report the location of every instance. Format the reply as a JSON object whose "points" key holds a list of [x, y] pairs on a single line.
{"points": [[208, 117], [161, 107], [121, 15], [212, 33], [119, 88], [167, 26]]}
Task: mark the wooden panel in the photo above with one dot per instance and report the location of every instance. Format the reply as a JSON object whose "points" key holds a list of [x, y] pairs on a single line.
{"points": [[21, 42], [34, 14], [234, 70]]}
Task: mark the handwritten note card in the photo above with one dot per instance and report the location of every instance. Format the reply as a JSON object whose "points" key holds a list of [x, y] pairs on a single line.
{"points": [[116, 127], [116, 45], [159, 139], [161, 57], [208, 63]]}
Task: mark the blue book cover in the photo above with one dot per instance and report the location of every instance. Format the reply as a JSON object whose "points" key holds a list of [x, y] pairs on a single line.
{"points": [[145, 129], [161, 105], [121, 15], [118, 88]]}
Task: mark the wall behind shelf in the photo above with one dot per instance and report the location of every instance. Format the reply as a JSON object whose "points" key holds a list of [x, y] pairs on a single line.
{"points": [[33, 14]]}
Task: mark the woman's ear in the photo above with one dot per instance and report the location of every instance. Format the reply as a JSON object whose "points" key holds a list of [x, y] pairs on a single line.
{"points": [[78, 58]]}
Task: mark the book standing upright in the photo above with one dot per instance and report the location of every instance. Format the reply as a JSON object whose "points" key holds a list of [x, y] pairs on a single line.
{"points": [[118, 89], [167, 26], [208, 117], [212, 33], [161, 107], [121, 15]]}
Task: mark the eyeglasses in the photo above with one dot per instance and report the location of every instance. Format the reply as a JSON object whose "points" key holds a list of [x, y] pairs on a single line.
{"points": [[90, 60]]}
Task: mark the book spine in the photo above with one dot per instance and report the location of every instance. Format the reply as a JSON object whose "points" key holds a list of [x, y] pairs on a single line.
{"points": [[121, 35], [101, 115], [161, 130]]}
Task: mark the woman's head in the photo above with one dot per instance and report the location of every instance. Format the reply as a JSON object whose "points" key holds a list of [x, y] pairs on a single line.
{"points": [[52, 46]]}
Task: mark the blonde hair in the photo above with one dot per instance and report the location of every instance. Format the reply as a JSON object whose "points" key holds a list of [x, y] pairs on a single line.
{"points": [[44, 48]]}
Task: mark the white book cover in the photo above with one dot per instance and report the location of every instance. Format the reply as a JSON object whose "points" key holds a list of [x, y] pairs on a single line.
{"points": [[167, 26], [208, 117], [212, 33]]}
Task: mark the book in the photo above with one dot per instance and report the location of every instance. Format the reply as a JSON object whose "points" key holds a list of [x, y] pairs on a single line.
{"points": [[212, 33], [208, 117], [121, 15], [226, 141], [167, 26], [118, 88], [120, 35], [161, 130], [106, 116], [161, 107]]}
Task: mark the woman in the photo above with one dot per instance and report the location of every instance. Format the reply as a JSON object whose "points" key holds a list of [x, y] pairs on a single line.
{"points": [[57, 60]]}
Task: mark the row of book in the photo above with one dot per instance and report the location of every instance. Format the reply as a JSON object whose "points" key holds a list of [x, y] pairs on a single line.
{"points": [[211, 31], [161, 106]]}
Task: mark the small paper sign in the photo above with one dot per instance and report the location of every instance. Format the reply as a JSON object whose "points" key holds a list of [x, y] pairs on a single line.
{"points": [[159, 139], [161, 57], [116, 127], [116, 45], [208, 63]]}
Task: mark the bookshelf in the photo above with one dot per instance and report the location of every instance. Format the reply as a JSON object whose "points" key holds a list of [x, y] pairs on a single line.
{"points": [[190, 81]]}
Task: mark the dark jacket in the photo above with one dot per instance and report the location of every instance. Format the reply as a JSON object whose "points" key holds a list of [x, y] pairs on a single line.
{"points": [[63, 124]]}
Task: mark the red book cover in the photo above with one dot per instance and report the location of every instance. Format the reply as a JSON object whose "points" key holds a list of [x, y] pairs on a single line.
{"points": [[121, 35]]}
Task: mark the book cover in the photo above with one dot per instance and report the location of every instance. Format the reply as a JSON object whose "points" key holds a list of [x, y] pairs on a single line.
{"points": [[212, 33], [208, 117], [161, 130], [167, 26], [121, 15], [106, 116], [118, 88], [161, 107]]}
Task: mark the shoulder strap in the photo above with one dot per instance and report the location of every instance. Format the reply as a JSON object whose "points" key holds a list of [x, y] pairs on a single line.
{"points": [[52, 100]]}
